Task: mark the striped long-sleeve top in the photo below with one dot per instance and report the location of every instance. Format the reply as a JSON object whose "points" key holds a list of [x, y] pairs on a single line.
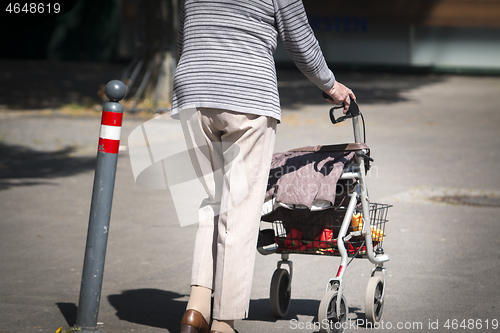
{"points": [[226, 54]]}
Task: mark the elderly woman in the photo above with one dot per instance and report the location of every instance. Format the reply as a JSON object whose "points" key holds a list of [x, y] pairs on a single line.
{"points": [[226, 96]]}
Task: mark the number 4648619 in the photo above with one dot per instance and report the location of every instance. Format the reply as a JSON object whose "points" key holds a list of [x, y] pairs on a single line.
{"points": [[33, 8], [471, 324]]}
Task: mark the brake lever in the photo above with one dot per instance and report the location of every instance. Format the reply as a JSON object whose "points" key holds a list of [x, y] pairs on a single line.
{"points": [[366, 157]]}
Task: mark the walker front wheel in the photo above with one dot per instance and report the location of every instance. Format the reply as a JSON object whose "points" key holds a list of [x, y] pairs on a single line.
{"points": [[327, 314], [280, 293], [374, 302]]}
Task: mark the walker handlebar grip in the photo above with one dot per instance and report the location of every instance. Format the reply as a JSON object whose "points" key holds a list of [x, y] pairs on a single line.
{"points": [[353, 108], [352, 112]]}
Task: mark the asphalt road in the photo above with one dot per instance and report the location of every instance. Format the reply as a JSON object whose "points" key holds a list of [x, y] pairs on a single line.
{"points": [[431, 136]]}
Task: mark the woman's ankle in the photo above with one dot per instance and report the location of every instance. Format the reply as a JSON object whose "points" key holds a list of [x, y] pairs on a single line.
{"points": [[200, 300], [223, 326]]}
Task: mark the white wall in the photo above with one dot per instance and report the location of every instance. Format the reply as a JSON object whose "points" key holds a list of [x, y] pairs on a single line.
{"points": [[398, 45], [457, 47]]}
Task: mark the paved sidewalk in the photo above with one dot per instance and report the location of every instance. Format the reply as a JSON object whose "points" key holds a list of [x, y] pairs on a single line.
{"points": [[430, 136]]}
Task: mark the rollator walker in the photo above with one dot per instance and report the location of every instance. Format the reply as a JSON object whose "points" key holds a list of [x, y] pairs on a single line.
{"points": [[351, 226]]}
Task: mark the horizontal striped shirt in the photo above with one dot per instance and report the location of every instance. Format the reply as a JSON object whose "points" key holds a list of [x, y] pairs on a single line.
{"points": [[226, 54]]}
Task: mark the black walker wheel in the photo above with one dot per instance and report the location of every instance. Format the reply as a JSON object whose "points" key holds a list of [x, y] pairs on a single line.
{"points": [[280, 293]]}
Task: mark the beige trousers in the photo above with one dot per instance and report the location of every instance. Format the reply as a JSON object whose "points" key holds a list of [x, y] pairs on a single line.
{"points": [[232, 154]]}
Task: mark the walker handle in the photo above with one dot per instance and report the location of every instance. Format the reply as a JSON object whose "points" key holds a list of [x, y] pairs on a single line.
{"points": [[352, 112]]}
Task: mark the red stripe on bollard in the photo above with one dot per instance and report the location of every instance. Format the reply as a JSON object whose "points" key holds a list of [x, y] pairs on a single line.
{"points": [[109, 137], [111, 118], [109, 146]]}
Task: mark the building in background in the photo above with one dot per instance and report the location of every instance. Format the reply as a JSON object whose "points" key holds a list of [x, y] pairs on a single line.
{"points": [[430, 35]]}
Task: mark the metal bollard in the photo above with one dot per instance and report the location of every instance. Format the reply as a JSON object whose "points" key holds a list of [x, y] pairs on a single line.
{"points": [[100, 208]]}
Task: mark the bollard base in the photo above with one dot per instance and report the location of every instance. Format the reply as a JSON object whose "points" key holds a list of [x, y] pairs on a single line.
{"points": [[80, 329]]}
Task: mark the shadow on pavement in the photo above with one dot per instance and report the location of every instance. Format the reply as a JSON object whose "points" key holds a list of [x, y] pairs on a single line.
{"points": [[162, 309], [260, 309], [68, 310], [22, 164], [370, 88], [48, 84], [150, 307]]}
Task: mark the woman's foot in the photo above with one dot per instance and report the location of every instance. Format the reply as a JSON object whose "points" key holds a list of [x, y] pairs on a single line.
{"points": [[194, 322]]}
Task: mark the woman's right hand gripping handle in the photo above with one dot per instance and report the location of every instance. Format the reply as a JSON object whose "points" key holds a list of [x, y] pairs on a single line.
{"points": [[353, 110], [339, 94]]}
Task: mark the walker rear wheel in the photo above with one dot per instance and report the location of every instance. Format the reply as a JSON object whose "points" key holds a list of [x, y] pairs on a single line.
{"points": [[327, 313], [374, 303], [280, 293]]}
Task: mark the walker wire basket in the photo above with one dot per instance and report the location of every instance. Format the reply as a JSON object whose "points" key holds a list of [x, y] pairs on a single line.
{"points": [[315, 232]]}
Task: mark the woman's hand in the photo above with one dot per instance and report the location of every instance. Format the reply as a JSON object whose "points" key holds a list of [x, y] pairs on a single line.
{"points": [[340, 94]]}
